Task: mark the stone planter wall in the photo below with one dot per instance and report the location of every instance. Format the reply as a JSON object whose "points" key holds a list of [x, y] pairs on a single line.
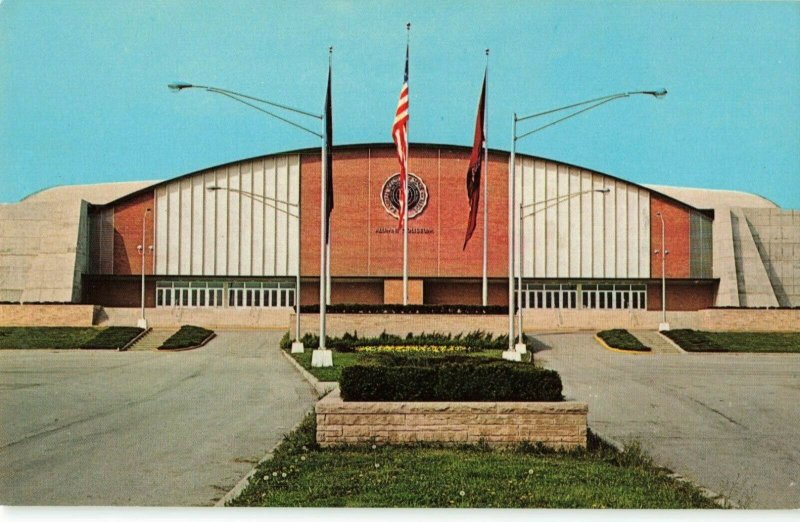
{"points": [[554, 424]]}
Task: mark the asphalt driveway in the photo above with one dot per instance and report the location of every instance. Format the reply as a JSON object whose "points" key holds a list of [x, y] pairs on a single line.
{"points": [[730, 422], [143, 428]]}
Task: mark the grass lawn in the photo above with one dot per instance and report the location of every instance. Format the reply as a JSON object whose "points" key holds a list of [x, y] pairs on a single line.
{"points": [[342, 359], [301, 474], [754, 342], [187, 337], [622, 340], [69, 338]]}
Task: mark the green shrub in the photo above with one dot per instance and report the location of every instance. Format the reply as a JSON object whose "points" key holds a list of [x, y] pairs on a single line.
{"points": [[426, 377], [475, 341], [622, 340], [187, 337], [694, 341], [112, 338]]}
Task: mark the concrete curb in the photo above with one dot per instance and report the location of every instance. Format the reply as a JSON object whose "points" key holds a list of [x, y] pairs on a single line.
{"points": [[245, 481], [321, 387], [629, 352]]}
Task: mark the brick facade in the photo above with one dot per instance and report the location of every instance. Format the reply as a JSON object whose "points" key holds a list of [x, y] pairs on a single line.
{"points": [[555, 424], [685, 296], [677, 229], [128, 216]]}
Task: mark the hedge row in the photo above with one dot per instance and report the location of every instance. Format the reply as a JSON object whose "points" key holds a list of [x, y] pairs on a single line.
{"points": [[187, 337], [473, 341], [622, 340], [693, 341], [406, 309], [395, 377]]}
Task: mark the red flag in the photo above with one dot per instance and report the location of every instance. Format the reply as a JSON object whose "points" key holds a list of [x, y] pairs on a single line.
{"points": [[400, 137], [475, 165]]}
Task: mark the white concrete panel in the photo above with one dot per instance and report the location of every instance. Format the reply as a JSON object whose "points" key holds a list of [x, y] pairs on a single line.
{"points": [[539, 235], [551, 220], [529, 231], [246, 223], [198, 226], [620, 196], [209, 224], [644, 233], [610, 242], [234, 220], [173, 229], [574, 225], [633, 231], [282, 221], [562, 210], [598, 229], [294, 223], [270, 214], [222, 223], [258, 218], [587, 224], [185, 241], [162, 220]]}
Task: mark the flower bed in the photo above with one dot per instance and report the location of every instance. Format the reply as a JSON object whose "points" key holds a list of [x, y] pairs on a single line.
{"points": [[411, 349]]}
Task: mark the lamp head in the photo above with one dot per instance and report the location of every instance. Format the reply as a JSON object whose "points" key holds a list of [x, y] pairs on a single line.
{"points": [[660, 93], [604, 190], [179, 86], [213, 188]]}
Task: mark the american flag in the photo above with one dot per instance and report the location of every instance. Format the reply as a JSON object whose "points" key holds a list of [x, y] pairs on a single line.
{"points": [[400, 137]]}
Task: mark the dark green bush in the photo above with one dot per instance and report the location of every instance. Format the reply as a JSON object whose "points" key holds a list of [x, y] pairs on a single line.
{"points": [[693, 341], [112, 338], [622, 340], [187, 337], [473, 341], [419, 377]]}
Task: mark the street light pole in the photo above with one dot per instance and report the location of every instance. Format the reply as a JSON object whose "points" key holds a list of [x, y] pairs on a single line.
{"points": [[664, 326], [142, 323], [514, 352]]}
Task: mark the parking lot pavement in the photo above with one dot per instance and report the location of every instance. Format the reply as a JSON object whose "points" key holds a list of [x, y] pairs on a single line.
{"points": [[729, 422], [143, 428]]}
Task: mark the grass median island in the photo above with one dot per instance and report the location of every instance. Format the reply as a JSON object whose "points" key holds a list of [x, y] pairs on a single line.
{"points": [[301, 474], [187, 337], [622, 340], [66, 337], [352, 349], [753, 342]]}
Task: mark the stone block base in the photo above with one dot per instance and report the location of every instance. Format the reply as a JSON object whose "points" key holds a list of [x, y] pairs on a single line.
{"points": [[554, 424]]}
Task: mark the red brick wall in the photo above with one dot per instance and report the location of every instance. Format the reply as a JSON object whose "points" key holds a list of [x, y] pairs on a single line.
{"points": [[361, 293], [358, 250], [676, 232], [128, 234], [687, 296]]}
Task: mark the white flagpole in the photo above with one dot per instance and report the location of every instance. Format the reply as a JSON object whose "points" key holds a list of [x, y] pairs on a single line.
{"points": [[485, 283], [405, 191]]}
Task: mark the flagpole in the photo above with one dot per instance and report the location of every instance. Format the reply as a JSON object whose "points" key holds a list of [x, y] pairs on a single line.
{"points": [[485, 283], [511, 353], [405, 197], [322, 357]]}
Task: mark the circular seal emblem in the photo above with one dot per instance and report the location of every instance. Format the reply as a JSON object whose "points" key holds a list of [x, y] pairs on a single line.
{"points": [[417, 195]]}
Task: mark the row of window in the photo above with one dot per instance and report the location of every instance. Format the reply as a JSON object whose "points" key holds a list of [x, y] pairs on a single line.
{"points": [[608, 296], [217, 294]]}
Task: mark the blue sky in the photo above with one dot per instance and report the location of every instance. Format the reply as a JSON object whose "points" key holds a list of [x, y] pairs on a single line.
{"points": [[83, 95]]}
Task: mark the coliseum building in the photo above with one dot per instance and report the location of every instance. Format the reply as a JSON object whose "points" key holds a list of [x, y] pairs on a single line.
{"points": [[241, 246]]}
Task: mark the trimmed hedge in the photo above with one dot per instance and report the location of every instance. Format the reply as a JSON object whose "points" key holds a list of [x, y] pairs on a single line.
{"points": [[112, 338], [187, 337], [406, 309], [693, 341], [421, 377], [622, 340], [473, 341]]}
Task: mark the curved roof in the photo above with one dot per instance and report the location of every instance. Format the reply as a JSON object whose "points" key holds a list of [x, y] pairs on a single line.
{"points": [[714, 198], [97, 193]]}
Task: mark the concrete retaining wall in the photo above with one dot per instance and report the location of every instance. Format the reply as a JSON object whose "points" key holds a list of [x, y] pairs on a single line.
{"points": [[555, 424], [46, 315], [748, 320], [256, 318]]}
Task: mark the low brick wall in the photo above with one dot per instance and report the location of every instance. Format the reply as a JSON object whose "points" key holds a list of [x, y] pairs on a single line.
{"points": [[46, 315], [752, 320], [554, 424], [233, 318]]}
